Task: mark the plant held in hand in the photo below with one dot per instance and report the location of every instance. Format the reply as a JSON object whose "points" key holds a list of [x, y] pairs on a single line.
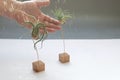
{"points": [[36, 34]]}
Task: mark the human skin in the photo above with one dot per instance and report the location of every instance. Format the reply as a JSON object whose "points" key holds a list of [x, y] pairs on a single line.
{"points": [[21, 11]]}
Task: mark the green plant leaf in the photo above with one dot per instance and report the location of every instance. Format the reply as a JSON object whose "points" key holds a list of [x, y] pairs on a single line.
{"points": [[61, 15]]}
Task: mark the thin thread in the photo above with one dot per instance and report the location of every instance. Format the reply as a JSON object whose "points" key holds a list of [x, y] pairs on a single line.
{"points": [[62, 36], [36, 50]]}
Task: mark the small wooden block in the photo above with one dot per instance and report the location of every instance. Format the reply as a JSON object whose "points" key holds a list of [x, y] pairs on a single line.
{"points": [[38, 66], [64, 57]]}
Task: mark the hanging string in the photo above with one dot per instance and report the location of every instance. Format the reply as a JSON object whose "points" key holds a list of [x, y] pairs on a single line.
{"points": [[62, 30], [62, 36], [36, 50]]}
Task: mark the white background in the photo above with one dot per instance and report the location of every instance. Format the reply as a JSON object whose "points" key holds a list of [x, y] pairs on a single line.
{"points": [[90, 60]]}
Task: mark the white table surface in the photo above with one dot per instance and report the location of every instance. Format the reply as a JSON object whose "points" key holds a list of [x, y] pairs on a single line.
{"points": [[90, 60]]}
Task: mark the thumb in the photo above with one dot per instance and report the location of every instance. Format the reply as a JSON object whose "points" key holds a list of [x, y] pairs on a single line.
{"points": [[41, 3]]}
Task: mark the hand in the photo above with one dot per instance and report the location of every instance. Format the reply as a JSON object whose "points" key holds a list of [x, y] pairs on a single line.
{"points": [[26, 8]]}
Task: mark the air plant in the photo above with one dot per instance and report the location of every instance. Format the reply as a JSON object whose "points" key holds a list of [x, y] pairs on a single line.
{"points": [[36, 34], [62, 16]]}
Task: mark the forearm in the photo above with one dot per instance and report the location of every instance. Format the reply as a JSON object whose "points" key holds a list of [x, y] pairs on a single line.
{"points": [[7, 7]]}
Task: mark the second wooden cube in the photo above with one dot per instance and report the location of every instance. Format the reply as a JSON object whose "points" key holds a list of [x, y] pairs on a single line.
{"points": [[64, 57]]}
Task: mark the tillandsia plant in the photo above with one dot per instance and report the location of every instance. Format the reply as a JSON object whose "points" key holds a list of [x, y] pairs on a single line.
{"points": [[36, 34], [62, 16]]}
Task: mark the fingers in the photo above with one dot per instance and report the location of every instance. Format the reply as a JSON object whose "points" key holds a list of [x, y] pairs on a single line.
{"points": [[41, 3], [50, 22], [22, 17], [48, 30], [50, 19], [50, 25]]}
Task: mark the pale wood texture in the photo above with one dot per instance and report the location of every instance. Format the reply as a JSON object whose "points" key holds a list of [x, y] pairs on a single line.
{"points": [[38, 66], [64, 57]]}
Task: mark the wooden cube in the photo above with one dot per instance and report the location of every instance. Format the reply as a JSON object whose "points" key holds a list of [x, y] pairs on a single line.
{"points": [[38, 66], [64, 57]]}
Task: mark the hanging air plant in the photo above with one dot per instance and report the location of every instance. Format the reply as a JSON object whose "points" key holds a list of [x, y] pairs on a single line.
{"points": [[62, 16], [38, 36]]}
